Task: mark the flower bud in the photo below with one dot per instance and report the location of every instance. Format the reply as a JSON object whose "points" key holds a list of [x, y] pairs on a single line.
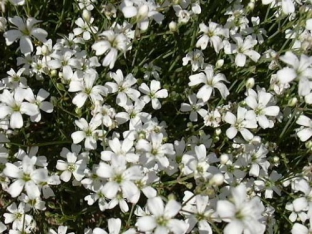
{"points": [[308, 144], [276, 159], [171, 197], [250, 83], [53, 73], [44, 50], [250, 6], [143, 12], [78, 111], [54, 101], [217, 179], [293, 101], [173, 26], [218, 131], [219, 63], [224, 158], [86, 15], [109, 10], [3, 24]]}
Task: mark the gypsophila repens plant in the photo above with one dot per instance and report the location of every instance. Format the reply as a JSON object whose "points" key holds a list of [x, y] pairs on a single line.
{"points": [[156, 116]]}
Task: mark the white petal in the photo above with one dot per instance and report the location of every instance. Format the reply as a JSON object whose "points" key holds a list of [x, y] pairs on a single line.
{"points": [[240, 60], [40, 34], [231, 132], [156, 206], [26, 45], [16, 120], [304, 134], [11, 36], [78, 136], [12, 171], [286, 75], [226, 209], [65, 176], [32, 189], [104, 170], [110, 189], [234, 227], [129, 11], [172, 208], [16, 187], [290, 59], [146, 223]]}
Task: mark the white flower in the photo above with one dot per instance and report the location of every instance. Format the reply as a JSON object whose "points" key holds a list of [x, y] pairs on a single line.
{"points": [[86, 4], [245, 119], [212, 118], [183, 15], [268, 183], [23, 32], [120, 177], [117, 148], [88, 132], [39, 101], [15, 79], [242, 214], [60, 230], [306, 132], [196, 58], [86, 88], [298, 208], [155, 150], [212, 35], [12, 105], [123, 86], [85, 28], [72, 166], [162, 219], [26, 177], [194, 107], [153, 93], [298, 69], [17, 216], [210, 82], [197, 211], [260, 103], [197, 163], [111, 43], [242, 49], [141, 11]]}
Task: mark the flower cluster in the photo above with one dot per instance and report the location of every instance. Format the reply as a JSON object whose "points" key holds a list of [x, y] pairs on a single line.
{"points": [[143, 116]]}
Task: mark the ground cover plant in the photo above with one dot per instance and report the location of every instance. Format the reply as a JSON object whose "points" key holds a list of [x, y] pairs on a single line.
{"points": [[156, 116]]}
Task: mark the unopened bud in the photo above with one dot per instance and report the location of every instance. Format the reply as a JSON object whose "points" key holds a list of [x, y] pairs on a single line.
{"points": [[44, 50], [217, 179], [78, 111], [143, 12], [293, 101], [250, 6], [250, 83], [218, 131], [308, 144], [171, 197], [173, 26], [276, 159], [3, 24], [86, 15], [53, 73], [224, 158], [219, 63]]}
